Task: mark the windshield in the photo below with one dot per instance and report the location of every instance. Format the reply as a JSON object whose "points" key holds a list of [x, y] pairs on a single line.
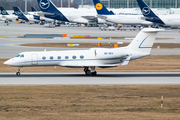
{"points": [[18, 55], [22, 55]]}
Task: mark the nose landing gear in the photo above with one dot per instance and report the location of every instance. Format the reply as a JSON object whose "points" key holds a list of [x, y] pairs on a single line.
{"points": [[18, 72], [91, 72]]}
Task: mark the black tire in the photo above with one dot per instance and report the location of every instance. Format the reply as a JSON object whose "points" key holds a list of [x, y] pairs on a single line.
{"points": [[88, 72], [94, 73], [18, 73]]}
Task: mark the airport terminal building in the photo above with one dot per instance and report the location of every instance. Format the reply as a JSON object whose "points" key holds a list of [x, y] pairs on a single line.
{"points": [[133, 3]]}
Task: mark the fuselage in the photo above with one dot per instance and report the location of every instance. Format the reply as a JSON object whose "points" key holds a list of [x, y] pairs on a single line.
{"points": [[170, 20], [78, 15], [9, 17], [127, 19], [77, 58]]}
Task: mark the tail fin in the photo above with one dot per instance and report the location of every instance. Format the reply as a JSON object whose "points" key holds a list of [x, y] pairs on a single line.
{"points": [[33, 9], [48, 7], [19, 13], [3, 11], [143, 42], [101, 9], [148, 13]]}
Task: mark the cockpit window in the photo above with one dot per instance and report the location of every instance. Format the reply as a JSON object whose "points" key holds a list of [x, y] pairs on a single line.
{"points": [[18, 55], [22, 55]]}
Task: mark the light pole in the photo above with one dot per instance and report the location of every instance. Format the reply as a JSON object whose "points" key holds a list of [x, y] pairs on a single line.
{"points": [[25, 6], [82, 3]]}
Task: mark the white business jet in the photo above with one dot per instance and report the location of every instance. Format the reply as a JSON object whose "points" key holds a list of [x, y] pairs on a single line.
{"points": [[92, 58]]}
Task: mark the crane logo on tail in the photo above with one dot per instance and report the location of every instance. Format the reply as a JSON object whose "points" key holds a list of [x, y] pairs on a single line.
{"points": [[146, 11], [3, 12], [44, 4], [99, 6]]}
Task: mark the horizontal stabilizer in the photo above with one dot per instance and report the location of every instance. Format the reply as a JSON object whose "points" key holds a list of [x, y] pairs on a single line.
{"points": [[152, 30], [92, 18], [126, 61], [44, 13], [102, 17]]}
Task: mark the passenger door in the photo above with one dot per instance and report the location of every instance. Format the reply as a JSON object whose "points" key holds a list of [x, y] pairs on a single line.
{"points": [[34, 59]]}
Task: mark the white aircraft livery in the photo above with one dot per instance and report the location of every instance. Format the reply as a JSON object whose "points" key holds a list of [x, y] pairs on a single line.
{"points": [[105, 14], [91, 58]]}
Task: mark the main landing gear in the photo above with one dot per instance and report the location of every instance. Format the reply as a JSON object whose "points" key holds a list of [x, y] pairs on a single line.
{"points": [[18, 72], [91, 72]]}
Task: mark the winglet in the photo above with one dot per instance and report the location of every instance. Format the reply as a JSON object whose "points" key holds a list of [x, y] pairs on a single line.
{"points": [[101, 9]]}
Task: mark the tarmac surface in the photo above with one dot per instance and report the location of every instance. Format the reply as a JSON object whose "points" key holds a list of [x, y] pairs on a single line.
{"points": [[9, 47], [106, 79]]}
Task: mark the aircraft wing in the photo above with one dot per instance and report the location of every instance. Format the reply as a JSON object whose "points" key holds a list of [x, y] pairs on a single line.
{"points": [[102, 17], [92, 65], [125, 62], [44, 13]]}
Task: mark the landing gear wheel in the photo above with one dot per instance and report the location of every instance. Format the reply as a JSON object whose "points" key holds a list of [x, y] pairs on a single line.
{"points": [[94, 73], [18, 73], [88, 72]]}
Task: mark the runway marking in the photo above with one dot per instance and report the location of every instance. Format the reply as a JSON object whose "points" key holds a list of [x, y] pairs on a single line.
{"points": [[4, 36]]}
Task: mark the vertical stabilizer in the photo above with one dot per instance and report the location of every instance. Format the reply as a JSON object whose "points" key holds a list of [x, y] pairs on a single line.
{"points": [[101, 9], [33, 9], [3, 11], [47, 6], [20, 14], [148, 13], [144, 41]]}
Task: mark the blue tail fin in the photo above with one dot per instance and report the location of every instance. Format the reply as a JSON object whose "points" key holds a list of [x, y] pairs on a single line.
{"points": [[101, 9], [3, 11], [33, 9], [148, 13], [48, 7], [19, 13]]}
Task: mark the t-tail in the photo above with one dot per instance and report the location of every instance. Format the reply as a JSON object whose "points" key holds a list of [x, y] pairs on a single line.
{"points": [[33, 9], [148, 13], [101, 9], [19, 13], [50, 10], [144, 41], [3, 11]]}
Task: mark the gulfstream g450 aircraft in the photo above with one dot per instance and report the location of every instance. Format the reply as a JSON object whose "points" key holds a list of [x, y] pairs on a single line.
{"points": [[92, 58]]}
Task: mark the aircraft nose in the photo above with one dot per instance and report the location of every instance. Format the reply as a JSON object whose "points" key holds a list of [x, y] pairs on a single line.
{"points": [[9, 62]]}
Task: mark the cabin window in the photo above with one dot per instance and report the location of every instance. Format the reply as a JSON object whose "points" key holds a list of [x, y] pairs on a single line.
{"points": [[81, 56], [66, 57], [74, 57], [22, 55], [43, 58], [51, 57], [18, 55], [59, 57]]}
